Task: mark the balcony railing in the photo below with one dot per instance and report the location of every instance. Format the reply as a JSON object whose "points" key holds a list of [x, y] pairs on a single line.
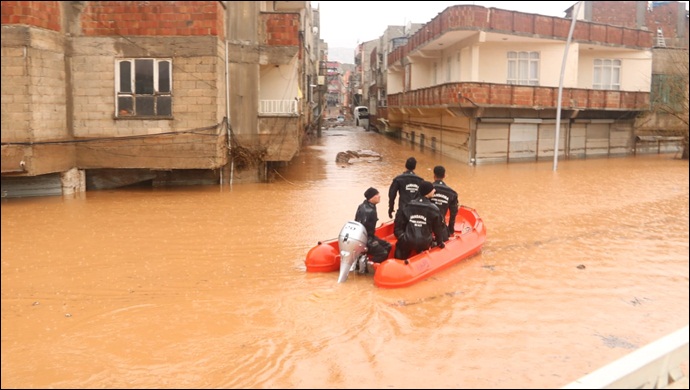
{"points": [[477, 18], [472, 94], [278, 107]]}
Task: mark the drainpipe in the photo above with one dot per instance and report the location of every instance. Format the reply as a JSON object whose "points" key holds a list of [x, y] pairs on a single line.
{"points": [[560, 85], [227, 110]]}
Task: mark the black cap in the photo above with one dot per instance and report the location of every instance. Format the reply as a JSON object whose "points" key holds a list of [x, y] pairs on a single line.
{"points": [[411, 164], [425, 188], [370, 193]]}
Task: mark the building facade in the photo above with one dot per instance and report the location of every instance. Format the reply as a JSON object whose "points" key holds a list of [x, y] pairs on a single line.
{"points": [[482, 84], [101, 94], [376, 76]]}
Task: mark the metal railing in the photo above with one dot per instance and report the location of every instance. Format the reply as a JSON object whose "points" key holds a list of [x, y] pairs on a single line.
{"points": [[278, 107]]}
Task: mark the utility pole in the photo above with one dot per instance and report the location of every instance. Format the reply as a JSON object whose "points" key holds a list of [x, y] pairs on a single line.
{"points": [[560, 85], [321, 87]]}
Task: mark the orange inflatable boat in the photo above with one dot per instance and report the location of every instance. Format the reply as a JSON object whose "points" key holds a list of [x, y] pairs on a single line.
{"points": [[331, 255]]}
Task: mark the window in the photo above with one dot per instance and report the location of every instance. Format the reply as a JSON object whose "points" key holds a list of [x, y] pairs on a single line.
{"points": [[523, 68], [607, 74], [668, 92], [144, 88]]}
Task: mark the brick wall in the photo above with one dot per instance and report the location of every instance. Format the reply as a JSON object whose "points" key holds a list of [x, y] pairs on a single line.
{"points": [[502, 95], [16, 116], [198, 72], [33, 85], [49, 95], [470, 17], [33, 74], [665, 16], [616, 13], [44, 14], [282, 29], [47, 91], [157, 18]]}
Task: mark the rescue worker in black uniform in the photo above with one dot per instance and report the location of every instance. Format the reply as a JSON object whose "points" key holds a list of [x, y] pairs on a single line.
{"points": [[445, 198], [367, 216], [406, 184], [418, 224]]}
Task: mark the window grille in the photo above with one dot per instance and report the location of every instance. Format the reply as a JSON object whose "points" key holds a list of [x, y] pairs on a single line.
{"points": [[143, 88]]}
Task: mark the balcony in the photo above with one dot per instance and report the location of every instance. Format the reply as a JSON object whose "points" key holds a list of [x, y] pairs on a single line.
{"points": [[472, 19], [278, 108], [489, 95]]}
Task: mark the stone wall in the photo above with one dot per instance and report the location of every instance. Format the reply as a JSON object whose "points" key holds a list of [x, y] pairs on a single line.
{"points": [[33, 85]]}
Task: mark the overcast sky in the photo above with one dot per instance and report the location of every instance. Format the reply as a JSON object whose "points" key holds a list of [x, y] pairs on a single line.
{"points": [[348, 23]]}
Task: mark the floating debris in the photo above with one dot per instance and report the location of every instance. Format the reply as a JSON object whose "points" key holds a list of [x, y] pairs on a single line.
{"points": [[351, 156]]}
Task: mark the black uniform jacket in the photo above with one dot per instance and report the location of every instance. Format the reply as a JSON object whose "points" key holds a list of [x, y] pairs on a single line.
{"points": [[367, 216], [407, 184], [446, 199], [417, 221]]}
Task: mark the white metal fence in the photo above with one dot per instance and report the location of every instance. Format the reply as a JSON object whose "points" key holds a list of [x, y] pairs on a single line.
{"points": [[278, 107], [654, 366]]}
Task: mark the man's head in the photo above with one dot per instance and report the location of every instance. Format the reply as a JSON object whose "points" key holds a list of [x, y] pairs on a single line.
{"points": [[411, 164], [371, 194], [439, 172], [426, 189]]}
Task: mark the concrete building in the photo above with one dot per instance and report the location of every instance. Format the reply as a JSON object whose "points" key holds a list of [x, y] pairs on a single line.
{"points": [[106, 94], [362, 74], [334, 84], [374, 75], [666, 124], [481, 84]]}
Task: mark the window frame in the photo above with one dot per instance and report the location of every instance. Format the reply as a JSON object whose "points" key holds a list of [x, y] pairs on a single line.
{"points": [[523, 67], [151, 97], [603, 72], [664, 92]]}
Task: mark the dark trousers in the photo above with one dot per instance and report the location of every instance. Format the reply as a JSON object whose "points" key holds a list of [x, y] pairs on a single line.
{"points": [[378, 249], [403, 249]]}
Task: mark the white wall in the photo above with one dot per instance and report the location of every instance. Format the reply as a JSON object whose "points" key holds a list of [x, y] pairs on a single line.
{"points": [[493, 63], [394, 82], [282, 80], [636, 68]]}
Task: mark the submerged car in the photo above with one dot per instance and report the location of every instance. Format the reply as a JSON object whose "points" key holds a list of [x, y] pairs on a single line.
{"points": [[361, 113]]}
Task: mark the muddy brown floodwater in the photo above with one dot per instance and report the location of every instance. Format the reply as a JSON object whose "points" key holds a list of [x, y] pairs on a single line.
{"points": [[206, 287]]}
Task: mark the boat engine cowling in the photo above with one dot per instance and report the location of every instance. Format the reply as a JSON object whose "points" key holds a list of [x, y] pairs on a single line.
{"points": [[352, 243]]}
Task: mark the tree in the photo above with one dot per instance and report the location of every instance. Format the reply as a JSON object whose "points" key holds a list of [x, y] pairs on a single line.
{"points": [[668, 115]]}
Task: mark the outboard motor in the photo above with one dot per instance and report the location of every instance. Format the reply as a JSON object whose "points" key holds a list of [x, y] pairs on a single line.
{"points": [[352, 242]]}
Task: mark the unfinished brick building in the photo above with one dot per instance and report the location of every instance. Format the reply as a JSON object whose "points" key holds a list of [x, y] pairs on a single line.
{"points": [[100, 94]]}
